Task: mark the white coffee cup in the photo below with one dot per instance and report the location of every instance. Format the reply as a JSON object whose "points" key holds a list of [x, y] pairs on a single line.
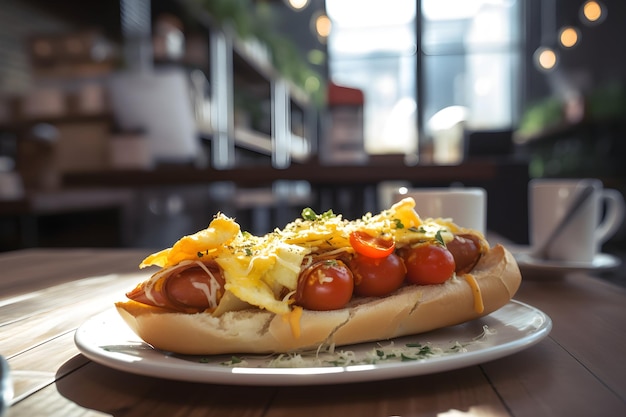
{"points": [[582, 237], [465, 206]]}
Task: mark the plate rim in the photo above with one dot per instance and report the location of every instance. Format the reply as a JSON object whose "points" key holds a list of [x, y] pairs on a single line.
{"points": [[169, 369]]}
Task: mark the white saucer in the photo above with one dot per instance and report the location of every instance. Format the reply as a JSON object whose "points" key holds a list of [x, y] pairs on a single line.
{"points": [[601, 262]]}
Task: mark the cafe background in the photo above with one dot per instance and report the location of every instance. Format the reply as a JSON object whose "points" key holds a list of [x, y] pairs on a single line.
{"points": [[130, 123]]}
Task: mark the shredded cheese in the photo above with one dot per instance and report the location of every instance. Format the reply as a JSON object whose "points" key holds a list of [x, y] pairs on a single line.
{"points": [[400, 350], [259, 270], [211, 290]]}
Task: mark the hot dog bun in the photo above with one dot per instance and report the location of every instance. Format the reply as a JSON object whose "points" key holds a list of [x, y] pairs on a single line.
{"points": [[412, 309]]}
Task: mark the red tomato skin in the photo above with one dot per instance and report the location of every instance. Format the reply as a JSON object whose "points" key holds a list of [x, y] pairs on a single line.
{"points": [[428, 264], [325, 285], [371, 246], [377, 277]]}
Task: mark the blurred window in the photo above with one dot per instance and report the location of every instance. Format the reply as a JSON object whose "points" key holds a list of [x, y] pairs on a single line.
{"points": [[470, 58], [372, 47], [471, 52]]}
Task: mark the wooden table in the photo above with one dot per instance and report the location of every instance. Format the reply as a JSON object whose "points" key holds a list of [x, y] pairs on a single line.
{"points": [[579, 370]]}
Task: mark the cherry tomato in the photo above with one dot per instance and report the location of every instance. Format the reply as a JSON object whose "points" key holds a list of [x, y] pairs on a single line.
{"points": [[428, 264], [325, 285], [372, 246], [192, 287], [377, 277], [466, 252]]}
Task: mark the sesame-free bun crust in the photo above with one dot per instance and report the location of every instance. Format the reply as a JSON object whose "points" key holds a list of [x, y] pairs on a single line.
{"points": [[412, 309]]}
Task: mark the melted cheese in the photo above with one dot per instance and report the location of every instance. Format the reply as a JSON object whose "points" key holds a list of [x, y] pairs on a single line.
{"points": [[293, 318], [479, 306]]}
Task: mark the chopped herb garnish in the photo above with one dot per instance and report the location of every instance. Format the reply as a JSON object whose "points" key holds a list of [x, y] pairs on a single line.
{"points": [[248, 252], [234, 360], [425, 350], [399, 224], [439, 238], [308, 214]]}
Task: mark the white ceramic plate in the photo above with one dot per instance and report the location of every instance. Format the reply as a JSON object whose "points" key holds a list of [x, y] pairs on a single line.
{"points": [[601, 262], [107, 340]]}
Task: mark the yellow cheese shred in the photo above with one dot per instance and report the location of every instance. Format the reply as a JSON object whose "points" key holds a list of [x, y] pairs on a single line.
{"points": [[479, 307], [293, 317]]}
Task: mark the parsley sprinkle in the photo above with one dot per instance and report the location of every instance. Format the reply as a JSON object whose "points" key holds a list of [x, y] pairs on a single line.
{"points": [[308, 214], [399, 224], [439, 238], [234, 360], [425, 350]]}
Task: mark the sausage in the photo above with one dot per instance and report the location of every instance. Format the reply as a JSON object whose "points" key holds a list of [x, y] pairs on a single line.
{"points": [[190, 290], [466, 251], [194, 288]]}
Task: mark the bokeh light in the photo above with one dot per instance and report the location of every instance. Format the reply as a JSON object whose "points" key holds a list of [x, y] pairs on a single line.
{"points": [[322, 25], [593, 12], [298, 4], [569, 36], [545, 59]]}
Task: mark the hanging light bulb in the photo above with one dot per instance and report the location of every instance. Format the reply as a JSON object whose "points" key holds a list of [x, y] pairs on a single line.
{"points": [[592, 12], [546, 58], [321, 26], [569, 36], [297, 4]]}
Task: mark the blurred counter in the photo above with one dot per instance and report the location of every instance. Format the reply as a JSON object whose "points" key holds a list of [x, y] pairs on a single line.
{"points": [[314, 173], [350, 190], [153, 208], [92, 217]]}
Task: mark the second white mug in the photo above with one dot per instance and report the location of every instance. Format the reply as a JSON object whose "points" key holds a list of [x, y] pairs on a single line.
{"points": [[580, 240]]}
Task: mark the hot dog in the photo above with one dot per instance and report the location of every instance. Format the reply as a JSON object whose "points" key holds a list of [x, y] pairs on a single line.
{"points": [[319, 280]]}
